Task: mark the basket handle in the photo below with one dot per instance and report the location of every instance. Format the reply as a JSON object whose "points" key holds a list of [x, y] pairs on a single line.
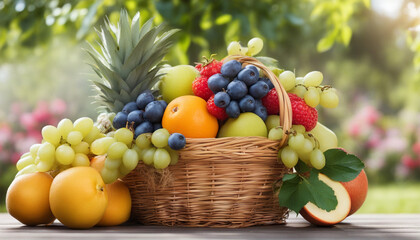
{"points": [[285, 112]]}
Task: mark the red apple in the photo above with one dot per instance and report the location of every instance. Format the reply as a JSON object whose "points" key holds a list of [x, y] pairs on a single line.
{"points": [[357, 189], [318, 216]]}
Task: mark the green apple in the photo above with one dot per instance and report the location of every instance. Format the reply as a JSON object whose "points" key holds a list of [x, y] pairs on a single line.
{"points": [[247, 124], [327, 138], [177, 81], [272, 121]]}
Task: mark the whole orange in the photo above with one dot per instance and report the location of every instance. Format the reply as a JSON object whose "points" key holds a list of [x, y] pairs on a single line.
{"points": [[119, 204], [188, 115], [27, 199], [78, 197]]}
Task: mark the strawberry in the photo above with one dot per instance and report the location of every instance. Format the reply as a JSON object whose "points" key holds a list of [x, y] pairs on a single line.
{"points": [[209, 69], [200, 88], [218, 112], [302, 114], [271, 102]]}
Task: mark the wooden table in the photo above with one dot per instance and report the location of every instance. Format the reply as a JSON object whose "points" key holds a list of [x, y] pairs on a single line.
{"points": [[363, 226]]}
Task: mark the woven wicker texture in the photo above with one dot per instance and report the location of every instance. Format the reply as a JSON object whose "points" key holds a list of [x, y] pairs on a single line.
{"points": [[218, 182]]}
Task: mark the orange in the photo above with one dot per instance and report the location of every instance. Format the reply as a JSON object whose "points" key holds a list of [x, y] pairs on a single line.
{"points": [[78, 197], [27, 199], [98, 162], [119, 204], [188, 115]]}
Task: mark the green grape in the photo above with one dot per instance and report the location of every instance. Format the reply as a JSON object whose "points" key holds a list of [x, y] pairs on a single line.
{"points": [[46, 152], [299, 91], [299, 80], [276, 71], [37, 160], [112, 163], [80, 159], [117, 150], [307, 146], [160, 138], [279, 155], [313, 79], [31, 168], [43, 166], [25, 161], [100, 146], [329, 99], [289, 157], [109, 175], [93, 135], [124, 170], [275, 133], [255, 45], [64, 127], [83, 125], [299, 128], [296, 142], [51, 135], [305, 157], [244, 51], [148, 155], [174, 155], [161, 158], [124, 135], [130, 159], [144, 141], [111, 134], [74, 137], [82, 147], [137, 149], [287, 80], [234, 48], [317, 159], [272, 121], [64, 154], [34, 150], [311, 97]]}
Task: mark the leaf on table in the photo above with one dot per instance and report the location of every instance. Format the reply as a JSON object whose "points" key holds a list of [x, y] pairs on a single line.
{"points": [[322, 194]]}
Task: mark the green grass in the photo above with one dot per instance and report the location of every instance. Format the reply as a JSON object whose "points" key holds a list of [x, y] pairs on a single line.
{"points": [[2, 208], [395, 198]]}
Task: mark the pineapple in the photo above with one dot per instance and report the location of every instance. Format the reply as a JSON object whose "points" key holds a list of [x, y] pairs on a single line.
{"points": [[129, 60]]}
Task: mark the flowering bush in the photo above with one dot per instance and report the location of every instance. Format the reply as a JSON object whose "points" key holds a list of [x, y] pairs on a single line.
{"points": [[19, 129], [390, 145]]}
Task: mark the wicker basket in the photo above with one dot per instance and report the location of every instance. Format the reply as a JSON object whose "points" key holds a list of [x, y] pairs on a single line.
{"points": [[218, 182]]}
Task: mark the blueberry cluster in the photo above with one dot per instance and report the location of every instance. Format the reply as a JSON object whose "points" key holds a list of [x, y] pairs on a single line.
{"points": [[239, 89], [145, 114]]}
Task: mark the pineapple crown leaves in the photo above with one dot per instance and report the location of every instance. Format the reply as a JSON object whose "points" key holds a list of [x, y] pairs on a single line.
{"points": [[129, 59]]}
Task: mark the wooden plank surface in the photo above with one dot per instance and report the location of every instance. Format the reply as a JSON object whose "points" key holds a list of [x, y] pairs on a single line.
{"points": [[362, 226]]}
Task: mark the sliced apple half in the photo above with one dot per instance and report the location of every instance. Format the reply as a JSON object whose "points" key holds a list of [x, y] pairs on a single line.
{"points": [[318, 216]]}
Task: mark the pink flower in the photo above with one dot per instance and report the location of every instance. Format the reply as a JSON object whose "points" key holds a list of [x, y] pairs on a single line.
{"points": [[416, 148], [58, 107], [28, 121], [15, 157], [41, 112], [371, 115], [5, 133], [408, 162], [354, 129]]}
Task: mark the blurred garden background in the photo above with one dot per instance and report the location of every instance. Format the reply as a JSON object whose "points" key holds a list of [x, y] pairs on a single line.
{"points": [[368, 50]]}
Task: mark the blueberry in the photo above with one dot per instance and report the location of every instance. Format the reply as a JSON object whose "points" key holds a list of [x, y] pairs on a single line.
{"points": [[177, 141], [254, 68], [261, 111], [217, 83], [154, 112], [129, 107], [233, 110], [231, 69], [237, 89], [135, 116], [267, 81], [248, 75], [247, 104], [144, 99], [163, 103], [221, 99], [120, 120], [259, 89], [157, 126], [144, 127]]}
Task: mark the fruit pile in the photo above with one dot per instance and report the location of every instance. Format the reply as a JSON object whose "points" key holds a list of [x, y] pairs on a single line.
{"points": [[150, 111]]}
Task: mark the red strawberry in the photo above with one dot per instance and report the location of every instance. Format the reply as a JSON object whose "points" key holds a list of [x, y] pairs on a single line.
{"points": [[218, 112], [271, 102], [208, 70], [201, 89], [302, 114]]}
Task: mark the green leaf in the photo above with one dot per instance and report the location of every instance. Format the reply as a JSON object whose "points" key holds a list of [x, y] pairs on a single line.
{"points": [[325, 44], [323, 196], [268, 61], [222, 19], [301, 167], [341, 166], [346, 34]]}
